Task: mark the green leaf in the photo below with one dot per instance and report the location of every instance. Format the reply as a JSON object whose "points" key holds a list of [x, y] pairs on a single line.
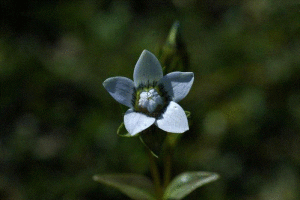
{"points": [[122, 131], [185, 183], [187, 113], [173, 54], [153, 138], [172, 139], [133, 185]]}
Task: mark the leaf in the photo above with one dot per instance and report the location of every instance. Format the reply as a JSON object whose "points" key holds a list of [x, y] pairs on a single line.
{"points": [[153, 138], [133, 185], [188, 113], [173, 54], [185, 183], [122, 131], [172, 139]]}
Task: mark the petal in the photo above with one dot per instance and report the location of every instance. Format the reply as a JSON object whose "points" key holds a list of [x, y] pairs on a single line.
{"points": [[147, 69], [177, 84], [121, 89], [136, 122], [173, 120]]}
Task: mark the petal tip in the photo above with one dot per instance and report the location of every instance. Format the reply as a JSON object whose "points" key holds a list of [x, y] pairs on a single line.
{"points": [[105, 83], [147, 55], [145, 51]]}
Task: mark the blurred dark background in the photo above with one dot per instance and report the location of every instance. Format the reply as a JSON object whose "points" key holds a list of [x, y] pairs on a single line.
{"points": [[58, 124]]}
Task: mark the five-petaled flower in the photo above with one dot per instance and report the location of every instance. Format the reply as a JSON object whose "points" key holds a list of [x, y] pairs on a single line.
{"points": [[151, 97]]}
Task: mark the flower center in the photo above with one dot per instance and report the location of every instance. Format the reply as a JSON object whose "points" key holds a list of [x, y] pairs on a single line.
{"points": [[150, 100]]}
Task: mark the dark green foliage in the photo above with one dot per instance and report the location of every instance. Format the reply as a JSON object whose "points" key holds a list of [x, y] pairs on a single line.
{"points": [[58, 124]]}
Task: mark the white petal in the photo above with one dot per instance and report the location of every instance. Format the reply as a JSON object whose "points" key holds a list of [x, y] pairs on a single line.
{"points": [[136, 122], [173, 120], [147, 69], [177, 84], [121, 89]]}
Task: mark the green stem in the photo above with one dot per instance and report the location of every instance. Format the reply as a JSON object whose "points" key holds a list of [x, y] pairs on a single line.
{"points": [[167, 170], [155, 175], [168, 163]]}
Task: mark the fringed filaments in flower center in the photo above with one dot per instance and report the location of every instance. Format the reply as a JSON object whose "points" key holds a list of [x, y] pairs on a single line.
{"points": [[150, 100]]}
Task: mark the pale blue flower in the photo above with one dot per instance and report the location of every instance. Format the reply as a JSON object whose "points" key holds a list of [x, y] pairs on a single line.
{"points": [[151, 97]]}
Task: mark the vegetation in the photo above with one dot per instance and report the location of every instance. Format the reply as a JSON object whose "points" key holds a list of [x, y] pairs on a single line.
{"points": [[59, 125]]}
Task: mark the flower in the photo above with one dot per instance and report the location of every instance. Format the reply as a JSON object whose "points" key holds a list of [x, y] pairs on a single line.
{"points": [[151, 97]]}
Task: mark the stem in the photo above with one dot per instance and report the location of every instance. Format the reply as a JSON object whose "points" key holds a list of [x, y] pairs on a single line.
{"points": [[168, 162], [167, 169], [155, 176]]}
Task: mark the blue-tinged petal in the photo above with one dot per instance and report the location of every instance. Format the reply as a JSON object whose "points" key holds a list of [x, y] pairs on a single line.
{"points": [[136, 122], [173, 120], [147, 69], [121, 89], [177, 84]]}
